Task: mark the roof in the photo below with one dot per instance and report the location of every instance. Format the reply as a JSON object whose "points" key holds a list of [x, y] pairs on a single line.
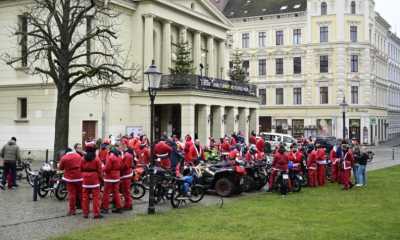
{"points": [[252, 8]]}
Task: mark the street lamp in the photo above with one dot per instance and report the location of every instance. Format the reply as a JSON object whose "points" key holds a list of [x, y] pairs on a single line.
{"points": [[154, 80], [344, 107]]}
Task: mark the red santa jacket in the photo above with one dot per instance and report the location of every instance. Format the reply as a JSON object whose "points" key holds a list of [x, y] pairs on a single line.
{"points": [[92, 173], [321, 156], [333, 157], [163, 151], [112, 168], [143, 156], [280, 161], [260, 145], [312, 160], [252, 140], [103, 155], [225, 147], [126, 166], [71, 165], [348, 160], [258, 156], [195, 153]]}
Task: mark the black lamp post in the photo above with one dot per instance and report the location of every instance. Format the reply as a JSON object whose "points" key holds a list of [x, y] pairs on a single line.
{"points": [[344, 107], [201, 70], [154, 80]]}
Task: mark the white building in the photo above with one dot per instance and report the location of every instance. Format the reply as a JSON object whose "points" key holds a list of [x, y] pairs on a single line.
{"points": [[306, 56]]}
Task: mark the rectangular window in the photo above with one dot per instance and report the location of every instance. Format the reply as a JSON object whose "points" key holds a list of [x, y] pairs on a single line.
{"points": [[246, 66], [262, 39], [323, 64], [297, 65], [354, 95], [279, 96], [323, 93], [297, 96], [353, 33], [354, 63], [22, 108], [23, 41], [245, 40], [262, 67], [279, 38], [279, 66], [296, 36], [323, 34], [262, 93]]}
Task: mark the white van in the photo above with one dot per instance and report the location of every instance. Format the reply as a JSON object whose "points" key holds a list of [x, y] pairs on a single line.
{"points": [[278, 138]]}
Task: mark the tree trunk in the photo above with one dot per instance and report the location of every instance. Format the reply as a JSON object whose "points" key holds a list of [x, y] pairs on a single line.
{"points": [[62, 123]]}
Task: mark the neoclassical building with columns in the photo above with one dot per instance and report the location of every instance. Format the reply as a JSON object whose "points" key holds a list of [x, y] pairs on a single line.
{"points": [[204, 104]]}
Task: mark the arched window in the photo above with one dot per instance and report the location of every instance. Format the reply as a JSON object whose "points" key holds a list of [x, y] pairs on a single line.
{"points": [[353, 7], [324, 8]]}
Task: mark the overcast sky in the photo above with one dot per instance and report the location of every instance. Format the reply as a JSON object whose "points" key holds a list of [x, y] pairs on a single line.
{"points": [[389, 9]]}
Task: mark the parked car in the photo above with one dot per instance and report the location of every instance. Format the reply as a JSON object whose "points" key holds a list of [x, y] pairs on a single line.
{"points": [[278, 138]]}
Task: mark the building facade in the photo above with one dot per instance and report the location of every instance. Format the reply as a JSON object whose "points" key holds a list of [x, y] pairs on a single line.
{"points": [[307, 56], [203, 104]]}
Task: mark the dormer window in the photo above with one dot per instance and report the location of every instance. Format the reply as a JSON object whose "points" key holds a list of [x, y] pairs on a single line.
{"points": [[283, 8], [324, 8], [353, 7]]}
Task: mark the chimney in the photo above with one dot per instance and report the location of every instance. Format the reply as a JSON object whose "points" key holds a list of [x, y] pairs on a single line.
{"points": [[220, 4]]}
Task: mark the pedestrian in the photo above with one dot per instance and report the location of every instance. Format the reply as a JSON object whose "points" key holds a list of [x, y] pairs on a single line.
{"points": [[312, 166], [112, 171], [279, 164], [356, 155], [362, 166], [163, 152], [91, 168], [321, 162], [347, 162], [11, 155], [126, 176], [70, 163]]}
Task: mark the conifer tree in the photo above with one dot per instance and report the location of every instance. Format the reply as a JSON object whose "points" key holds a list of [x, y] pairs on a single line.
{"points": [[184, 62], [238, 72]]}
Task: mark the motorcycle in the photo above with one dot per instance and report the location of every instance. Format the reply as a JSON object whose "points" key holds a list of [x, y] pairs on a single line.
{"points": [[50, 181], [256, 176]]}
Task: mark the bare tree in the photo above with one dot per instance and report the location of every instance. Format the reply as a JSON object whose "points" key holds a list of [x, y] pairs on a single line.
{"points": [[73, 44]]}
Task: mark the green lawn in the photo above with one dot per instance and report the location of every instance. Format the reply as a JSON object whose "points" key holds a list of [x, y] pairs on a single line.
{"points": [[323, 213]]}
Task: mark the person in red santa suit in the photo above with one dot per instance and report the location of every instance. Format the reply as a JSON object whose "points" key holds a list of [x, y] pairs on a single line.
{"points": [[321, 163], [143, 155], [163, 151], [347, 164], [335, 165], [112, 174], [251, 155], [70, 163], [186, 150], [253, 138], [126, 176], [91, 167], [225, 148], [260, 145], [196, 153], [295, 157], [103, 151], [280, 163], [312, 167]]}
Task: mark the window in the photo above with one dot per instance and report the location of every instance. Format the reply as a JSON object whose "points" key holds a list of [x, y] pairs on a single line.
{"points": [[296, 36], [353, 33], [22, 108], [323, 64], [279, 96], [354, 63], [262, 39], [262, 67], [323, 34], [279, 66], [323, 93], [353, 7], [245, 40], [23, 41], [324, 8], [354, 95], [262, 93], [279, 38], [297, 96], [89, 21], [297, 65], [246, 66]]}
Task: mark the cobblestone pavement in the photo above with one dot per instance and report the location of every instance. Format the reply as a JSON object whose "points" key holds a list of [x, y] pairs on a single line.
{"points": [[23, 219]]}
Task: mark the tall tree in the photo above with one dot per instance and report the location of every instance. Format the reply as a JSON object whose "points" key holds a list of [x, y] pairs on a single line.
{"points": [[238, 72], [73, 44], [184, 62]]}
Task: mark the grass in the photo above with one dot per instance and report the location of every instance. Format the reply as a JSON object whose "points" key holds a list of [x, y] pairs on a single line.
{"points": [[323, 213]]}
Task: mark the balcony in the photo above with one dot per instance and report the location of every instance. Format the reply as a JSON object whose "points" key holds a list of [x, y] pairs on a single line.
{"points": [[196, 82]]}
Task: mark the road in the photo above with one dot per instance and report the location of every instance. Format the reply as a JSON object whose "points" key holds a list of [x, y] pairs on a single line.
{"points": [[23, 219]]}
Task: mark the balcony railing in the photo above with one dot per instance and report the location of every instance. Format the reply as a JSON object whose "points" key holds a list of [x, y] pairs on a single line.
{"points": [[196, 82]]}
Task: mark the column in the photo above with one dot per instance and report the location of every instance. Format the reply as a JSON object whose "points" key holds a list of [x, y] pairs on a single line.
{"points": [[210, 57], [218, 121], [148, 40], [166, 50], [197, 51], [253, 120], [243, 122], [187, 119], [230, 120], [183, 34], [204, 121], [221, 60]]}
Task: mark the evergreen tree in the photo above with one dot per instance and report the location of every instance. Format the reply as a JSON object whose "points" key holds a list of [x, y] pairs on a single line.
{"points": [[238, 72], [184, 62]]}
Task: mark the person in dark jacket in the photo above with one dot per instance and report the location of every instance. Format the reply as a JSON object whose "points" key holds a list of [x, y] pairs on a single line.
{"points": [[10, 153], [362, 166]]}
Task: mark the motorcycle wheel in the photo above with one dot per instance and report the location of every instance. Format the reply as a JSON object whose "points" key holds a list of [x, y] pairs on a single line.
{"points": [[29, 179], [42, 189], [224, 187], [198, 193], [137, 190], [61, 191], [283, 188], [176, 197], [296, 185], [260, 183], [249, 184]]}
